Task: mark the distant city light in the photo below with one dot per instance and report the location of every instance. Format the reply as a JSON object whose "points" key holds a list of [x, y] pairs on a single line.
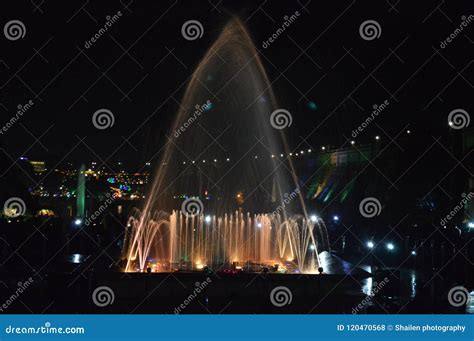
{"points": [[281, 155], [314, 218], [470, 224], [408, 132], [413, 253], [227, 159], [309, 150], [323, 148], [370, 245], [353, 142], [77, 222], [207, 219], [390, 246], [377, 137], [335, 218], [312, 247]]}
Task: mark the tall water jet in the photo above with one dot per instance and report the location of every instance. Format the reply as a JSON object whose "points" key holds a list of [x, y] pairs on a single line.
{"points": [[219, 152]]}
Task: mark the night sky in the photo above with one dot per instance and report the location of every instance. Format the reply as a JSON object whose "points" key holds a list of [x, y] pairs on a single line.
{"points": [[138, 70]]}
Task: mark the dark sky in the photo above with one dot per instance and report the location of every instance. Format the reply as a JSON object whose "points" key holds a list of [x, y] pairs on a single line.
{"points": [[139, 67]]}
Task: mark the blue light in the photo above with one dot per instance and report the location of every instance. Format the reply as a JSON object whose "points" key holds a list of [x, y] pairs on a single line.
{"points": [[335, 218], [390, 246], [312, 106], [370, 245], [77, 222], [470, 224], [314, 218], [207, 219], [413, 253]]}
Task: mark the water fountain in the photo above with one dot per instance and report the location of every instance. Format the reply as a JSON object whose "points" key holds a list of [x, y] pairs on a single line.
{"points": [[218, 157]]}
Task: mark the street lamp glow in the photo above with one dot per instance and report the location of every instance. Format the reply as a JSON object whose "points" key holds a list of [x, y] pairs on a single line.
{"points": [[413, 253], [390, 246], [312, 247], [335, 218], [314, 218], [377, 137], [370, 245], [77, 222], [207, 219], [353, 142]]}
